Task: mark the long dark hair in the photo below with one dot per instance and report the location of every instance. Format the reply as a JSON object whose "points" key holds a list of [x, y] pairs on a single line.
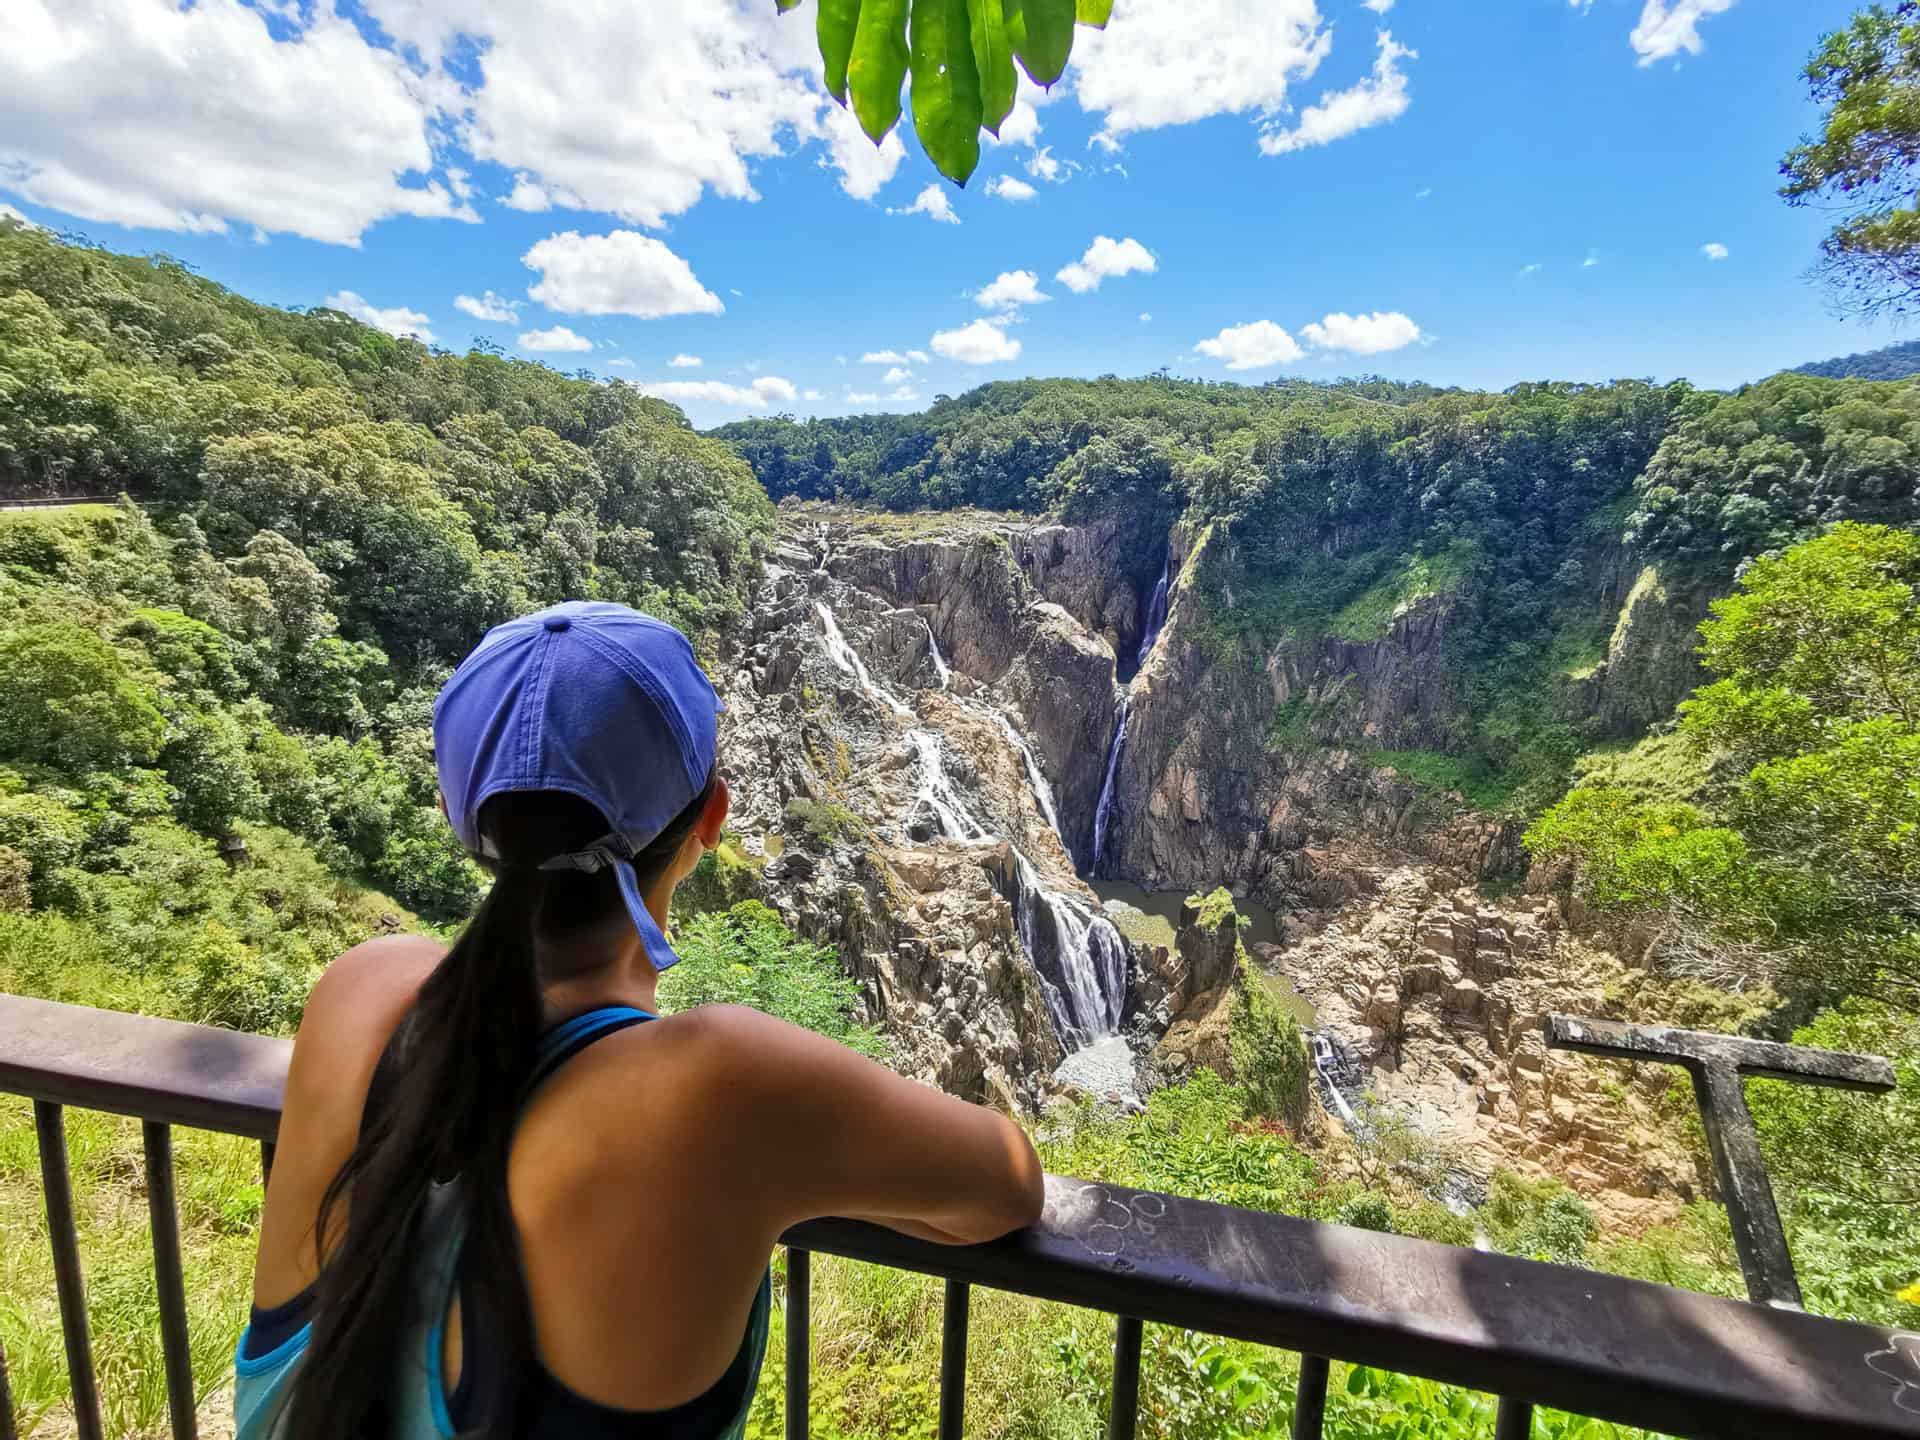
{"points": [[443, 1103]]}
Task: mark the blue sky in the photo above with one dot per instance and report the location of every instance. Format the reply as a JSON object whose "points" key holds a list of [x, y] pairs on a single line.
{"points": [[1471, 194]]}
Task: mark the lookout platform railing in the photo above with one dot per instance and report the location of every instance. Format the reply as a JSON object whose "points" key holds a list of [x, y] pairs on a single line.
{"points": [[1532, 1334]]}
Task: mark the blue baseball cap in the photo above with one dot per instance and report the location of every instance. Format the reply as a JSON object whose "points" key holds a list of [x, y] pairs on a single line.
{"points": [[592, 699]]}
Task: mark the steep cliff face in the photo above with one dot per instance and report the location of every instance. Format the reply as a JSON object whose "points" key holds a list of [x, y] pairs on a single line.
{"points": [[999, 628], [1250, 770], [1649, 666], [888, 798]]}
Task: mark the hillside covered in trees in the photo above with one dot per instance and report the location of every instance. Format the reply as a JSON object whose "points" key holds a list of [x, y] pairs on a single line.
{"points": [[322, 520], [1889, 362]]}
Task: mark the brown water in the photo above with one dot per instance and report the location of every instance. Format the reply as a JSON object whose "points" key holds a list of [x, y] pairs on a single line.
{"points": [[1152, 917]]}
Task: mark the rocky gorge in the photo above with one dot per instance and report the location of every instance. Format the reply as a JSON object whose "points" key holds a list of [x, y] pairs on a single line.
{"points": [[940, 727]]}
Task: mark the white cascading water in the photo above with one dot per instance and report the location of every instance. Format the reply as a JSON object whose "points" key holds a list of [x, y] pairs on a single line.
{"points": [[1036, 777], [936, 790], [1080, 958], [843, 655], [940, 666], [1086, 984], [1103, 812], [1156, 621], [1156, 611]]}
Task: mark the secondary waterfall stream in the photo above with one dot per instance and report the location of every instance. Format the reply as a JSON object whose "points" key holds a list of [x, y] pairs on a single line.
{"points": [[1149, 632]]}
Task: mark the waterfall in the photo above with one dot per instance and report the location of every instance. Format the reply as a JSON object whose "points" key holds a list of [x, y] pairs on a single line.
{"points": [[940, 666], [1156, 611], [1103, 812], [1036, 777], [1079, 956], [936, 791], [844, 655]]}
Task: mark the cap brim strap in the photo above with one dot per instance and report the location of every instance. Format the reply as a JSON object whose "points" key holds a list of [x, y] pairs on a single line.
{"points": [[659, 953]]}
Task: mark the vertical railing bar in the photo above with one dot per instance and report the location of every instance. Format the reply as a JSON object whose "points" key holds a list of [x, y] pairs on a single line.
{"points": [[1125, 1413], [163, 1212], [266, 1162], [1514, 1420], [953, 1361], [50, 1127], [1310, 1397], [799, 1341]]}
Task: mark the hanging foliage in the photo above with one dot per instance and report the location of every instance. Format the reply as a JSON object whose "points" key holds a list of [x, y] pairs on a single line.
{"points": [[957, 56]]}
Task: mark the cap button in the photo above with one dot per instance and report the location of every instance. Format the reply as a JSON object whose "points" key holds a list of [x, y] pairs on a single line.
{"points": [[557, 623]]}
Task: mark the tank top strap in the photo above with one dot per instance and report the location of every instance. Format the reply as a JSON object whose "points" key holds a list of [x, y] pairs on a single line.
{"points": [[570, 1037]]}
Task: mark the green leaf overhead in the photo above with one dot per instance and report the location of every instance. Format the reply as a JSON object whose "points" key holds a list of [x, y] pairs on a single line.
{"points": [[946, 87], [961, 55], [834, 28], [878, 66], [1042, 34], [993, 58]]}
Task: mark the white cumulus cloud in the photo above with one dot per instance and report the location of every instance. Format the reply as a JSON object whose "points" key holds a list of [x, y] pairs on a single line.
{"points": [[558, 338], [621, 273], [1255, 346], [1714, 250], [1373, 334], [863, 397], [764, 393], [1006, 187], [398, 320], [981, 343], [686, 362], [1379, 7], [1106, 259], [1376, 100], [1161, 63], [1145, 318], [1010, 290], [622, 362], [892, 357], [635, 110], [490, 307], [1669, 26], [864, 167], [191, 118], [896, 376], [933, 203]]}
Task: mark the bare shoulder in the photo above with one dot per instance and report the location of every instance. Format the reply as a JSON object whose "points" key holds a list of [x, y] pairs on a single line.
{"points": [[360, 998], [377, 972]]}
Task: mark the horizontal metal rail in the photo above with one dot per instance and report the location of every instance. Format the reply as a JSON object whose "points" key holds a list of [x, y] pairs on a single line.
{"points": [[1533, 1334]]}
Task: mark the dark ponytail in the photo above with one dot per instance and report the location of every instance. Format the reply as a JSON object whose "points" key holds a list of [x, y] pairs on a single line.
{"points": [[442, 1104]]}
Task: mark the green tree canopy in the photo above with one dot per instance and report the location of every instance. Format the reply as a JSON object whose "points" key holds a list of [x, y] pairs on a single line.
{"points": [[1867, 76]]}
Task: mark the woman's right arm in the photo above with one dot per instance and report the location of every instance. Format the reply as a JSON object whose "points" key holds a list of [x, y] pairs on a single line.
{"points": [[832, 1133]]}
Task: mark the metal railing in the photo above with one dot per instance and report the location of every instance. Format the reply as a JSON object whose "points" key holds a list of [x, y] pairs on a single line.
{"points": [[1533, 1334]]}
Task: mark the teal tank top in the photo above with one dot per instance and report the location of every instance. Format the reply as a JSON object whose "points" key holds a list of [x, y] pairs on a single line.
{"points": [[262, 1382]]}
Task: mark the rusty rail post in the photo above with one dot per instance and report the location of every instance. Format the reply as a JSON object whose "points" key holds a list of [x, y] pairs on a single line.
{"points": [[1719, 1066]]}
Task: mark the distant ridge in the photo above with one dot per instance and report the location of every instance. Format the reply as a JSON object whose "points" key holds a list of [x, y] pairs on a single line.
{"points": [[1890, 362]]}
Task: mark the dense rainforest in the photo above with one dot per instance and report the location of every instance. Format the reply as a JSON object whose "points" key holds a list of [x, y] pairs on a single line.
{"points": [[302, 523]]}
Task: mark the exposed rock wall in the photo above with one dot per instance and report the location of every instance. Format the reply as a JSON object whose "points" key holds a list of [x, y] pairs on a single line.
{"points": [[995, 628], [1211, 798], [1650, 664], [881, 810], [1442, 995]]}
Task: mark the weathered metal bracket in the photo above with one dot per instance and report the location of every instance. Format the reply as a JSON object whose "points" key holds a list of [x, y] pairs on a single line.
{"points": [[1719, 1065]]}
